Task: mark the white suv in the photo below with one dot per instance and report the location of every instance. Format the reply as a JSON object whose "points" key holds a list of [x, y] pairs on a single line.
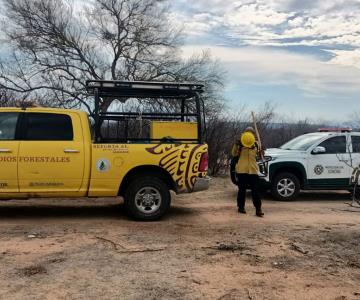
{"points": [[323, 160]]}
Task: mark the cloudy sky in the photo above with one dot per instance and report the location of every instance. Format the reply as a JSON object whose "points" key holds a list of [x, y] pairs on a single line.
{"points": [[303, 55]]}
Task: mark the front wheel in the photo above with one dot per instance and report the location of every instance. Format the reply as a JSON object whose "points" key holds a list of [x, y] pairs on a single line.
{"points": [[285, 186], [147, 198]]}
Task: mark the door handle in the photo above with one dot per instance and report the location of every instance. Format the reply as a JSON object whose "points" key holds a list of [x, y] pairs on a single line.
{"points": [[71, 151], [5, 151]]}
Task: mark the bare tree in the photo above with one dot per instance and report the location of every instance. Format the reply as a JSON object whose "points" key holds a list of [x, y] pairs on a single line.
{"points": [[225, 128], [9, 98], [275, 130], [56, 46], [354, 121], [283, 129], [220, 136]]}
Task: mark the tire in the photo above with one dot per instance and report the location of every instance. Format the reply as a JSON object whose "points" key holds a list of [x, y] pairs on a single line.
{"points": [[147, 198], [285, 186]]}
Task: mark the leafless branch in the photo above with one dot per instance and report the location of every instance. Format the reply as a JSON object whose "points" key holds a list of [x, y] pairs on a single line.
{"points": [[56, 46]]}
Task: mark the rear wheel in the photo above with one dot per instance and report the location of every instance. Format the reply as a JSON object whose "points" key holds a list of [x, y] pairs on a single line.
{"points": [[285, 186], [147, 198]]}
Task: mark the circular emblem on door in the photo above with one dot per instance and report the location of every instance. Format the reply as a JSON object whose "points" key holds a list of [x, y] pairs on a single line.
{"points": [[103, 165], [319, 169]]}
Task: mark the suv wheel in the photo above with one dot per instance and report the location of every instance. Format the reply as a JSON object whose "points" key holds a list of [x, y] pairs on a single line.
{"points": [[285, 186], [147, 198]]}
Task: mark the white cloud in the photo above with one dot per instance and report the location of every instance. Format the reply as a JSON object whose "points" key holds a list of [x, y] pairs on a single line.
{"points": [[196, 25], [346, 58], [276, 67], [328, 24], [296, 22], [254, 13]]}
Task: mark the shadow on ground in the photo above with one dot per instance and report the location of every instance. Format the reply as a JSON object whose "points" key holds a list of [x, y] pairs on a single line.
{"points": [[313, 196], [85, 211]]}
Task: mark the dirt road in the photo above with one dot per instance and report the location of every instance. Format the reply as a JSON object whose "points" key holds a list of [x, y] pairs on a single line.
{"points": [[81, 249]]}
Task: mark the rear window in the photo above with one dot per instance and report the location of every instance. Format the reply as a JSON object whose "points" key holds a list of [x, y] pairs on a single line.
{"points": [[8, 122], [48, 127], [356, 143]]}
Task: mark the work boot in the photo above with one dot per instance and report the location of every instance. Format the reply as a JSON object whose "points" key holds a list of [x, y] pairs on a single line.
{"points": [[259, 213], [242, 210]]}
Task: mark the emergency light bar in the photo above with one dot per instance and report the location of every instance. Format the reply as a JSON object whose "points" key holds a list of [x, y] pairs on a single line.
{"points": [[335, 130]]}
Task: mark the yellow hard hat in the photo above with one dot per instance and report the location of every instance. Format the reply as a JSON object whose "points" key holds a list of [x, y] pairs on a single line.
{"points": [[247, 139]]}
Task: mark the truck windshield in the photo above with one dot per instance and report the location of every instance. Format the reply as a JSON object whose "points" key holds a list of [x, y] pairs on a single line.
{"points": [[303, 142]]}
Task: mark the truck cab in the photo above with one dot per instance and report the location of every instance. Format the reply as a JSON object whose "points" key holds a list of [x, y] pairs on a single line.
{"points": [[43, 152], [139, 155]]}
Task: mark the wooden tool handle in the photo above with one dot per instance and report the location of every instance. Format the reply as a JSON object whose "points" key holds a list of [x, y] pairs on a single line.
{"points": [[257, 134]]}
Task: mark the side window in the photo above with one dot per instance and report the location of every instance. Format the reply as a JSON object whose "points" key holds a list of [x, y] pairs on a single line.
{"points": [[8, 121], [48, 127], [356, 143], [335, 145]]}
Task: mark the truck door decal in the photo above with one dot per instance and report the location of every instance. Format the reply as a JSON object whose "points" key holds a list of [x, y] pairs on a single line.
{"points": [[103, 165], [319, 169], [181, 161]]}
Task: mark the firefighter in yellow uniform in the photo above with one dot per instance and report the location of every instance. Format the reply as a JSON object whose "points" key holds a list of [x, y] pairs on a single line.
{"points": [[246, 148]]}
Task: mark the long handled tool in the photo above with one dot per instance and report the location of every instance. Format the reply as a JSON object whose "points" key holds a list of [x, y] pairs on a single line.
{"points": [[264, 162], [257, 135]]}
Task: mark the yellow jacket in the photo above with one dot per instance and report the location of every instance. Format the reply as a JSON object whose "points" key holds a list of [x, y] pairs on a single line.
{"points": [[247, 159]]}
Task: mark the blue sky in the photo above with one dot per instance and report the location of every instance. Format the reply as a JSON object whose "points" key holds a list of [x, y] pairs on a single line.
{"points": [[304, 55]]}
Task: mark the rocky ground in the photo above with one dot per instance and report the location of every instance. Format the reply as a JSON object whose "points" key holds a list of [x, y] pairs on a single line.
{"points": [[203, 249]]}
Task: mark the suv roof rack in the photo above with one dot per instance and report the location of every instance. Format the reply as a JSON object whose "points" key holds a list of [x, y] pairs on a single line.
{"points": [[143, 89], [335, 130]]}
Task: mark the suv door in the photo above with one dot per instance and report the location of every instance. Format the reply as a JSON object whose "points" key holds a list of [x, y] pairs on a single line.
{"points": [[9, 147], [330, 169], [51, 153]]}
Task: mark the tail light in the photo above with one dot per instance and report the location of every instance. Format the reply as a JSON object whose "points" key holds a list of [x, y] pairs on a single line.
{"points": [[204, 162]]}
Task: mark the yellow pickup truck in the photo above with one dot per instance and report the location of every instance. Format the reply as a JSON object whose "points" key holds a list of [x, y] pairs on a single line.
{"points": [[141, 155]]}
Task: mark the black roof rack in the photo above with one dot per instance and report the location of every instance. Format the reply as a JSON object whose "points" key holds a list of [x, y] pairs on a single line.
{"points": [[143, 89]]}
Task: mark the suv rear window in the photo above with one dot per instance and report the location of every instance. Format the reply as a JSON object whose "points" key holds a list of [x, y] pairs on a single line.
{"points": [[356, 143], [48, 127], [335, 145], [8, 121]]}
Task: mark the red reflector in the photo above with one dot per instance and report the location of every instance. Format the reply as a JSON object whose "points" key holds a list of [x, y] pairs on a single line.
{"points": [[204, 162]]}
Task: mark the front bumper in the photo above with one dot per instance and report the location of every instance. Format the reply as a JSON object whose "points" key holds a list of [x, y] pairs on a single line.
{"points": [[201, 184], [264, 184]]}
